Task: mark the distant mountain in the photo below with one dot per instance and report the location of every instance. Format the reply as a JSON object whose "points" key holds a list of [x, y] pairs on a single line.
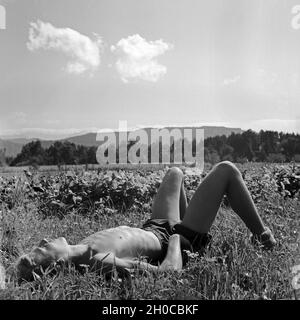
{"points": [[89, 139], [210, 131], [14, 146], [11, 148], [21, 141]]}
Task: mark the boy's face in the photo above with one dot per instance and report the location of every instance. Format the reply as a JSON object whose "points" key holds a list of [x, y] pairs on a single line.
{"points": [[43, 255]]}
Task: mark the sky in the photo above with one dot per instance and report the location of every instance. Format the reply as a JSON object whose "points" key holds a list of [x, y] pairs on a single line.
{"points": [[69, 66]]}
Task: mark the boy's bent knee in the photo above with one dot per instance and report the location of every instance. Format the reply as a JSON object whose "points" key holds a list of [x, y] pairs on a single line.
{"points": [[175, 171], [228, 167]]}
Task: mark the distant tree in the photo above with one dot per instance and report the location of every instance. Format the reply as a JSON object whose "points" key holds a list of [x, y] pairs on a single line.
{"points": [[91, 155], [81, 155], [226, 152], [239, 145], [211, 156], [241, 160], [68, 152], [296, 158], [53, 154], [251, 144], [9, 160], [32, 152], [290, 146], [269, 141], [228, 157], [261, 155], [247, 146], [2, 158], [276, 158]]}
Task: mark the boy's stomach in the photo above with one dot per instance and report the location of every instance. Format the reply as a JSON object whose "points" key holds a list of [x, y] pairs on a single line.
{"points": [[125, 242]]}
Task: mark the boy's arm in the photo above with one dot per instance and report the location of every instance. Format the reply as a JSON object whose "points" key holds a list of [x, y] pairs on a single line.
{"points": [[106, 262]]}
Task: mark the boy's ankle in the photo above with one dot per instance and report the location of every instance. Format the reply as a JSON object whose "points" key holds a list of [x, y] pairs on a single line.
{"points": [[266, 239]]}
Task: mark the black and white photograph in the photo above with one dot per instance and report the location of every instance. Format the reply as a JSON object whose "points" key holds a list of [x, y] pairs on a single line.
{"points": [[149, 151]]}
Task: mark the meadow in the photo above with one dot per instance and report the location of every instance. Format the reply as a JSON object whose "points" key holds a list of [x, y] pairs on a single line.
{"points": [[36, 204]]}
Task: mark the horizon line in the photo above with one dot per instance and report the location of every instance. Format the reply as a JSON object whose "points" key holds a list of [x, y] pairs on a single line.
{"points": [[58, 134]]}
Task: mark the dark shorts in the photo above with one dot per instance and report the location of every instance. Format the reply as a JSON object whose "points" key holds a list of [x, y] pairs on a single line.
{"points": [[189, 239]]}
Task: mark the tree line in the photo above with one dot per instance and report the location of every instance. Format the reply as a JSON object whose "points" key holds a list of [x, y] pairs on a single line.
{"points": [[265, 146], [59, 153]]}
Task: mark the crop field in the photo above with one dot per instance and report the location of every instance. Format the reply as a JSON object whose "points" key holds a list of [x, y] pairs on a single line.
{"points": [[75, 203]]}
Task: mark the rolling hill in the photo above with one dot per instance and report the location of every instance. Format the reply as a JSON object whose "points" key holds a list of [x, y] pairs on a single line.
{"points": [[14, 146]]}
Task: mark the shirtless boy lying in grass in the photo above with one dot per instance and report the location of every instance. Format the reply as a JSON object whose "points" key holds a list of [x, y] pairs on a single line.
{"points": [[174, 227]]}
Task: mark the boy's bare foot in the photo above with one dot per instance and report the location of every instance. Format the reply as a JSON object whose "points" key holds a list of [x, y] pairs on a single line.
{"points": [[173, 259], [265, 239]]}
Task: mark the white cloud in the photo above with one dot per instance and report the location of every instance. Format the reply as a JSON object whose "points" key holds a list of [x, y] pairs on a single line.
{"points": [[229, 81], [84, 52], [137, 58]]}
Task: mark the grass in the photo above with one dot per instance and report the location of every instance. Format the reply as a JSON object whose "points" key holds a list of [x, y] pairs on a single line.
{"points": [[230, 269]]}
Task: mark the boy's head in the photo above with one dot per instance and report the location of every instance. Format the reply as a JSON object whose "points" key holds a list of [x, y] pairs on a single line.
{"points": [[43, 256]]}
